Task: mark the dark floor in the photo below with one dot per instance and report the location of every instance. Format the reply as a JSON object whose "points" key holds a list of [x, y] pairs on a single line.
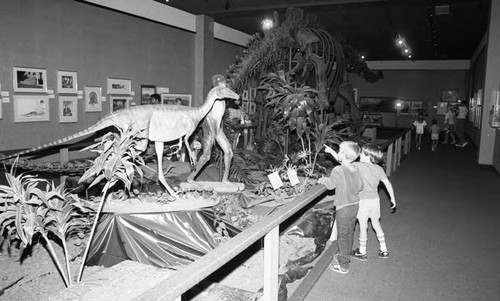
{"points": [[444, 239]]}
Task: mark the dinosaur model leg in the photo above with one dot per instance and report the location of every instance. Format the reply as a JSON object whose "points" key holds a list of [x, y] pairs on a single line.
{"points": [[189, 150], [159, 154], [228, 153], [208, 143]]}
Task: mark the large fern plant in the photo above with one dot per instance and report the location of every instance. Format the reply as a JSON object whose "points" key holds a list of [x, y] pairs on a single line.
{"points": [[31, 207]]}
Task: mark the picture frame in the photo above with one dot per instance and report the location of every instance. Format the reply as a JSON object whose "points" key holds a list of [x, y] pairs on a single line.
{"points": [[1, 105], [416, 105], [119, 102], [449, 95], [245, 105], [67, 82], [31, 80], [377, 104], [495, 110], [146, 92], [119, 86], [252, 108], [176, 99], [93, 99], [253, 93], [403, 106], [31, 108], [244, 95], [68, 109]]}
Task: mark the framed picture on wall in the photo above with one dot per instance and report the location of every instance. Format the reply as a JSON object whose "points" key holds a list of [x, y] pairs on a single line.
{"points": [[450, 95], [68, 109], [1, 114], [67, 82], [119, 86], [245, 106], [403, 106], [416, 105], [31, 108], [146, 92], [29, 80], [244, 95], [176, 99], [377, 104], [93, 99], [119, 102]]}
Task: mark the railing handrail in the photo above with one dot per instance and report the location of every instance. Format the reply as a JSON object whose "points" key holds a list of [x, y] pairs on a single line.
{"points": [[184, 279]]}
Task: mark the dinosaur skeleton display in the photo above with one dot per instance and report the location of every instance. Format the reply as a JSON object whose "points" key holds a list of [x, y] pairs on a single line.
{"points": [[157, 123]]}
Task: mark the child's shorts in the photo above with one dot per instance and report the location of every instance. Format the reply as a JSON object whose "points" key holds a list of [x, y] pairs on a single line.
{"points": [[369, 208], [435, 136]]}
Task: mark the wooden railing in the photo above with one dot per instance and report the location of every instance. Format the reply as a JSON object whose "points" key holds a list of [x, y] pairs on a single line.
{"points": [[268, 227], [394, 148]]}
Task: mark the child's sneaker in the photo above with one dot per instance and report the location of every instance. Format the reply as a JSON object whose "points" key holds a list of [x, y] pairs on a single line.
{"points": [[335, 266], [383, 254], [358, 255]]}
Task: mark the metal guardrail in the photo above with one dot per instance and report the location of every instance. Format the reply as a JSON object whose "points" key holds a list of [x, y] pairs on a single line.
{"points": [[268, 227]]}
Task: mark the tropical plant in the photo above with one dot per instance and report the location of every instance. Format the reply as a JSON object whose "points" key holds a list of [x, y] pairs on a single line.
{"points": [[118, 162], [27, 211]]}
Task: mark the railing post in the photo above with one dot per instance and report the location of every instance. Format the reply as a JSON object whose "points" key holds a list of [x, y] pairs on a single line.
{"points": [[388, 167], [398, 151], [271, 264]]}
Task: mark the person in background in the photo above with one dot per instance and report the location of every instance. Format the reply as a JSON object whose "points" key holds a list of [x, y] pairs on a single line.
{"points": [[419, 125], [369, 200], [460, 125], [346, 179], [155, 99], [434, 134], [449, 123]]}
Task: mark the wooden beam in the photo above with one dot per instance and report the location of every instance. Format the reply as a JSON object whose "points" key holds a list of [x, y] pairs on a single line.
{"points": [[253, 7]]}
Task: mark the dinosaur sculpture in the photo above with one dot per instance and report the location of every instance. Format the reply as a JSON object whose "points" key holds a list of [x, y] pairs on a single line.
{"points": [[158, 123], [212, 131]]}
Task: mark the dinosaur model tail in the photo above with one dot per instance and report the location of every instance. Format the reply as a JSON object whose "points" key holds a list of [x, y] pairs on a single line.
{"points": [[101, 124]]}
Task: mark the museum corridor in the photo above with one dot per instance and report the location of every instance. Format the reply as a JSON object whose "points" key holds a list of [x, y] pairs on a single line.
{"points": [[443, 238]]}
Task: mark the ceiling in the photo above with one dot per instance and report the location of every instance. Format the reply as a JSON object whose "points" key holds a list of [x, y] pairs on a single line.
{"points": [[370, 26]]}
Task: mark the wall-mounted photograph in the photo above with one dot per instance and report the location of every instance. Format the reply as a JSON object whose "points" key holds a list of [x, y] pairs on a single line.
{"points": [[119, 86], [29, 80], [449, 95], [119, 103], [403, 106], [31, 108], [68, 109], [1, 113], [416, 105], [377, 104], [67, 82], [176, 99], [146, 92], [93, 101]]}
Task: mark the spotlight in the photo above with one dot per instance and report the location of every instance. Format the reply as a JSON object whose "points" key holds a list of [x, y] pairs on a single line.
{"points": [[400, 42], [362, 57], [267, 24]]}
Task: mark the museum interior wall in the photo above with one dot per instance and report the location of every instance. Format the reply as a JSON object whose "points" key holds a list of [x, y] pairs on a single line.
{"points": [[96, 43], [419, 85]]}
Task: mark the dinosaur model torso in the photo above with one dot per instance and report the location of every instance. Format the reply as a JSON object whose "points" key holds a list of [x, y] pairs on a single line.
{"points": [[158, 123]]}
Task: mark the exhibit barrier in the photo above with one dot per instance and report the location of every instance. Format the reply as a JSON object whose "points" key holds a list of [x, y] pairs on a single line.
{"points": [[267, 228], [394, 148]]}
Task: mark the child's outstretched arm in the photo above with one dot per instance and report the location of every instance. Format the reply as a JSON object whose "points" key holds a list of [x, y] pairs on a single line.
{"points": [[390, 190], [332, 152], [331, 181]]}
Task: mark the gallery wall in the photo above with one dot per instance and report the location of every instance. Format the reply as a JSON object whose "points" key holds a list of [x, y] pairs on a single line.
{"points": [[412, 85], [96, 43]]}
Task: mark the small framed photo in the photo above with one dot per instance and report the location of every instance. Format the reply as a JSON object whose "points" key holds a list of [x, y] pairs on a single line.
{"points": [[252, 108], [1, 114], [119, 86], [93, 99], [416, 105], [146, 92], [68, 109], [245, 106], [67, 82], [29, 80], [244, 95], [176, 99], [31, 108], [449, 95], [253, 93], [119, 103]]}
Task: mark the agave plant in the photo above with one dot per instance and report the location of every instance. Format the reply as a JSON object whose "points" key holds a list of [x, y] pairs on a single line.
{"points": [[27, 211], [118, 161]]}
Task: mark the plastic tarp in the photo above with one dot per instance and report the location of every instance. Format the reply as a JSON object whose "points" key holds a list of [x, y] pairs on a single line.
{"points": [[167, 239]]}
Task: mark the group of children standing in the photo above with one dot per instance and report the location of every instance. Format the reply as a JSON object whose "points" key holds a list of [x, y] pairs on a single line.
{"points": [[356, 198]]}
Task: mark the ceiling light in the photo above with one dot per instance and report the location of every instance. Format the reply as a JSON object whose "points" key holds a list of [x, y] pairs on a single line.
{"points": [[267, 24], [362, 57]]}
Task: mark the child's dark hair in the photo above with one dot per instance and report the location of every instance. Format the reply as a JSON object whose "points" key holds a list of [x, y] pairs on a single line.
{"points": [[434, 121], [373, 151]]}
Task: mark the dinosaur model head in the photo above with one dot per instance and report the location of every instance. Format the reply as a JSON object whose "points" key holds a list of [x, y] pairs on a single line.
{"points": [[221, 92]]}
